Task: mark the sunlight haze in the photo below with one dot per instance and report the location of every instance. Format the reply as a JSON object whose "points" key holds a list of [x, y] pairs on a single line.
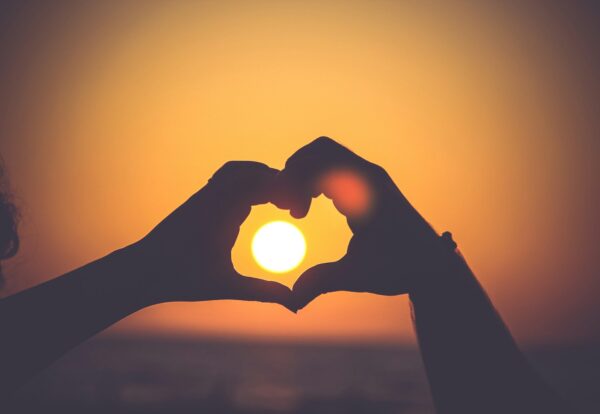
{"points": [[121, 113]]}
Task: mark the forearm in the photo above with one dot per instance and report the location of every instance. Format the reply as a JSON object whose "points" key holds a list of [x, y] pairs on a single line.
{"points": [[40, 324], [472, 361]]}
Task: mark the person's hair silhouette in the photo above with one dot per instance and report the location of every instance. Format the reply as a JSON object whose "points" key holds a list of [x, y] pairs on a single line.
{"points": [[9, 237]]}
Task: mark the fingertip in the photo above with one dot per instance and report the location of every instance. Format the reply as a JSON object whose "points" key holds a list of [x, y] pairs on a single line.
{"points": [[300, 211], [283, 295], [303, 295], [260, 290], [287, 306], [300, 303]]}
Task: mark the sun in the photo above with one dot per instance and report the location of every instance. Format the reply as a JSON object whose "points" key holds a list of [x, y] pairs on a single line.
{"points": [[278, 246]]}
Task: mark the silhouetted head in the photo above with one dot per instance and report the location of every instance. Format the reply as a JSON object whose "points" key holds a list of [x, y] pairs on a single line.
{"points": [[9, 238]]}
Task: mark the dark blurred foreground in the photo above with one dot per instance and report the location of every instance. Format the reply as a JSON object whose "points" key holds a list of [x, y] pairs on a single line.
{"points": [[117, 375]]}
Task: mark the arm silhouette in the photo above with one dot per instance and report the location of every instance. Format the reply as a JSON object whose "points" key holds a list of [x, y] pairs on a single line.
{"points": [[472, 362], [40, 324], [185, 258]]}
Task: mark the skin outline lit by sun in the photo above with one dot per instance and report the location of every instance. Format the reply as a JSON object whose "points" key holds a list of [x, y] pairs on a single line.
{"points": [[278, 246]]}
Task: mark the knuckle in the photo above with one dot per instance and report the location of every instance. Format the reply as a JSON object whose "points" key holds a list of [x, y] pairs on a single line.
{"points": [[226, 168], [324, 140], [326, 144], [230, 165], [378, 170], [231, 168]]}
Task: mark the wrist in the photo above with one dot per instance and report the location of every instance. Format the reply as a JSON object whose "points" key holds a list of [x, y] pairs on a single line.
{"points": [[440, 268], [133, 274]]}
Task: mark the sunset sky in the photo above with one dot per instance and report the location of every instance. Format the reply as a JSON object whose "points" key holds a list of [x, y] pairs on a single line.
{"points": [[486, 116]]}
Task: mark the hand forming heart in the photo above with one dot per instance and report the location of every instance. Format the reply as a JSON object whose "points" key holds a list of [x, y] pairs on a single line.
{"points": [[391, 242], [188, 255]]}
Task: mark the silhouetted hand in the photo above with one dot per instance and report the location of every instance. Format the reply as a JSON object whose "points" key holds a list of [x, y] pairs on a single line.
{"points": [[187, 257], [391, 242]]}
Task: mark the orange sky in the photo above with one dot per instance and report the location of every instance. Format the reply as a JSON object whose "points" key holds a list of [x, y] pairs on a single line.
{"points": [[486, 117]]}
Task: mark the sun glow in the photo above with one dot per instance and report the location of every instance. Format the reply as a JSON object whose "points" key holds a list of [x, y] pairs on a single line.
{"points": [[278, 246]]}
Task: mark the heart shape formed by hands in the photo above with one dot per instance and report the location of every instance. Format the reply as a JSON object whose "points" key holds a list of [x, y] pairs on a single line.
{"points": [[187, 257]]}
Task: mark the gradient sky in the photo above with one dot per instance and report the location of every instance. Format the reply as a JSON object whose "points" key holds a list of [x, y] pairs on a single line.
{"points": [[486, 115]]}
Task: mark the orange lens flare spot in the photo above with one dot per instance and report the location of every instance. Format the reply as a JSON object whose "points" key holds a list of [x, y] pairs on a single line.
{"points": [[349, 191]]}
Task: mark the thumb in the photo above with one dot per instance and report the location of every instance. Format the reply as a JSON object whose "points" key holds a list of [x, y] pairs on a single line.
{"points": [[322, 278], [250, 288]]}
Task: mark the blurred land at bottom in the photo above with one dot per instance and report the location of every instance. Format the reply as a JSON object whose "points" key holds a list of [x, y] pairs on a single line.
{"points": [[158, 375]]}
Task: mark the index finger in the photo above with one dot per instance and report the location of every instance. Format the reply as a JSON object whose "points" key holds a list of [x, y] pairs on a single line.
{"points": [[325, 166], [247, 182], [236, 187]]}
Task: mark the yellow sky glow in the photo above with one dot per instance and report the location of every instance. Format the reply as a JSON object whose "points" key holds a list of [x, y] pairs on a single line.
{"points": [[121, 113]]}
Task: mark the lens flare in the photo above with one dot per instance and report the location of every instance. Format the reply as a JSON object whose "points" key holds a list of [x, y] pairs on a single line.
{"points": [[349, 191]]}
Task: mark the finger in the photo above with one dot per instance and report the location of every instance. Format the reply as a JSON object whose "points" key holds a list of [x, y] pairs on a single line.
{"points": [[249, 182], [328, 147], [324, 166], [297, 180], [253, 289], [237, 186], [293, 192], [320, 279]]}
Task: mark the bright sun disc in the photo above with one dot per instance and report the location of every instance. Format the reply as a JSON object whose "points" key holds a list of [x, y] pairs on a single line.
{"points": [[278, 246]]}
